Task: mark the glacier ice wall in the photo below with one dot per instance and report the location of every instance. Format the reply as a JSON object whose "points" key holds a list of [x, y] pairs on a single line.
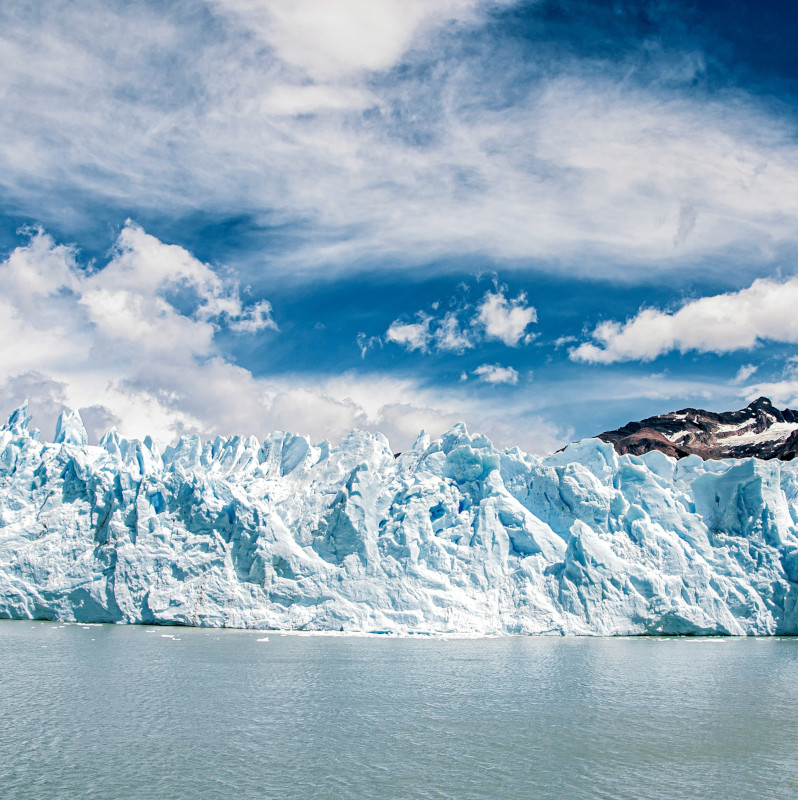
{"points": [[451, 536]]}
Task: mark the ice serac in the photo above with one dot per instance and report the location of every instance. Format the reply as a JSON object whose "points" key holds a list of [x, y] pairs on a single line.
{"points": [[451, 536]]}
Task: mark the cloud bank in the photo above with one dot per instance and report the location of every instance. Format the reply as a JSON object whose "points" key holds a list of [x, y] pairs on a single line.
{"points": [[356, 137], [133, 344], [389, 129]]}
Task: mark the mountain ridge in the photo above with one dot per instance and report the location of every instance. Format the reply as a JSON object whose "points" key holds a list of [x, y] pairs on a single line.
{"points": [[760, 430]]}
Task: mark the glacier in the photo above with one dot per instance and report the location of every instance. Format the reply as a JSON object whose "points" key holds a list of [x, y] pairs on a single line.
{"points": [[452, 536]]}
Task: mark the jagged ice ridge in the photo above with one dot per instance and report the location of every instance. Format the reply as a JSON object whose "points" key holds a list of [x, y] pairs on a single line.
{"points": [[451, 536]]}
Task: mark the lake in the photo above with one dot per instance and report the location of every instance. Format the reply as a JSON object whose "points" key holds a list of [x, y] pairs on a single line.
{"points": [[114, 711]]}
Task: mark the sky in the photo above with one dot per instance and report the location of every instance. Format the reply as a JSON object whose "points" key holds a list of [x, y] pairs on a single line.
{"points": [[544, 219]]}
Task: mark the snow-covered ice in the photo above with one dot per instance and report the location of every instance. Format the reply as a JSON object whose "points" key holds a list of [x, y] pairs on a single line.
{"points": [[452, 536]]}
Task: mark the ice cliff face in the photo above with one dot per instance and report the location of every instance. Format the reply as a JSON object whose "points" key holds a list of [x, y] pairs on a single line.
{"points": [[451, 536]]}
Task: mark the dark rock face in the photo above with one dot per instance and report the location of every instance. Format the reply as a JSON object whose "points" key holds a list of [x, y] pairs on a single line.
{"points": [[760, 430]]}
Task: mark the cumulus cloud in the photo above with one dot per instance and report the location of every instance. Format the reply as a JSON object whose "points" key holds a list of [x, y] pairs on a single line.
{"points": [[132, 344], [717, 324], [496, 373], [496, 317], [110, 340], [506, 320], [411, 335]]}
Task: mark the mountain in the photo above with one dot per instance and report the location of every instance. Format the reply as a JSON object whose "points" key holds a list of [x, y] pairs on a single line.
{"points": [[757, 431], [453, 536]]}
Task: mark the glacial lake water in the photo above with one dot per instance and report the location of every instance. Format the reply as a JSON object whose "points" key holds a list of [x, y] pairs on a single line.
{"points": [[116, 712]]}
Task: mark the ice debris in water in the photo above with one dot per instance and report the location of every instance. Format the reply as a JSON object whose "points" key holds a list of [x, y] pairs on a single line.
{"points": [[451, 536]]}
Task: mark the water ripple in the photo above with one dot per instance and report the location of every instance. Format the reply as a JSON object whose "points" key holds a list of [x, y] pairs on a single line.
{"points": [[117, 713]]}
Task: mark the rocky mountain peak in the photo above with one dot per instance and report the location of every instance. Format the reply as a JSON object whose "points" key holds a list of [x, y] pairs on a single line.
{"points": [[759, 430]]}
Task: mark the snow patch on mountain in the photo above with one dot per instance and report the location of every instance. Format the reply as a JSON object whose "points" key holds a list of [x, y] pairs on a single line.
{"points": [[757, 431]]}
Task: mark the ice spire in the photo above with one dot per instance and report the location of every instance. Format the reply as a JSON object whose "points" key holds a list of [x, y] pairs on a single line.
{"points": [[19, 419], [69, 429]]}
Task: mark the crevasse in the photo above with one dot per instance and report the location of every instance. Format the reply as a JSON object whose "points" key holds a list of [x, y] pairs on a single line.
{"points": [[451, 536]]}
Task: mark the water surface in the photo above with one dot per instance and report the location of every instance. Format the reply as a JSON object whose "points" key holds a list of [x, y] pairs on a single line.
{"points": [[156, 713]]}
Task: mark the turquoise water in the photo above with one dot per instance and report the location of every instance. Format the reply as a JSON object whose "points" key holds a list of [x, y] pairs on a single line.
{"points": [[156, 713]]}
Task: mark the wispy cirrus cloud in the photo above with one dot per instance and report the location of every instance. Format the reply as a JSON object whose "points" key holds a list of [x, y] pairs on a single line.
{"points": [[369, 126], [783, 390], [744, 373]]}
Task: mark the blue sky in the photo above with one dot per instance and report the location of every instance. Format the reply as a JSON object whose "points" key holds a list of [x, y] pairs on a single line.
{"points": [[543, 218]]}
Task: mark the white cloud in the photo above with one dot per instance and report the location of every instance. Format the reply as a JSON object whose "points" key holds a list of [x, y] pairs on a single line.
{"points": [[366, 343], [411, 335], [50, 397], [324, 416], [339, 37], [495, 373], [134, 106], [718, 324], [126, 308], [450, 337], [496, 318], [744, 373], [109, 338], [506, 320], [563, 340], [257, 317], [400, 408], [289, 101], [783, 392], [109, 342]]}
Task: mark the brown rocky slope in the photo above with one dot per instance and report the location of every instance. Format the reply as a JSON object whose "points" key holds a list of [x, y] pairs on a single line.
{"points": [[759, 430]]}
